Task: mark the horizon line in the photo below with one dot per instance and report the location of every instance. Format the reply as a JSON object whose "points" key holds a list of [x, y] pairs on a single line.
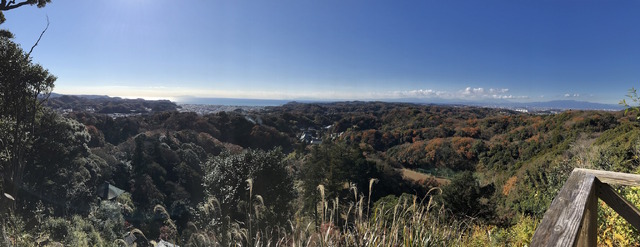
{"points": [[282, 101]]}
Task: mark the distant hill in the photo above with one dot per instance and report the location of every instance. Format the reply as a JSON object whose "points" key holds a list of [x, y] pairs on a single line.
{"points": [[86, 96], [106, 104], [546, 105]]}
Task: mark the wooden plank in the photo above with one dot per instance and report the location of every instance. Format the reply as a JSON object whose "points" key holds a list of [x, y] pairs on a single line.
{"points": [[619, 178], [619, 204], [562, 221], [589, 229]]}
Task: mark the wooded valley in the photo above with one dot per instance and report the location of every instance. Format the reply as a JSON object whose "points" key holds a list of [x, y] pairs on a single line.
{"points": [[254, 178]]}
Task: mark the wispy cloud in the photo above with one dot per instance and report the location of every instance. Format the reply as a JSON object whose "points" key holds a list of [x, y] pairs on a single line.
{"points": [[466, 93], [499, 90], [571, 95], [494, 93], [419, 93]]}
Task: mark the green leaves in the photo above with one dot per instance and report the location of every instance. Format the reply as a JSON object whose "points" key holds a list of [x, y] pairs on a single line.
{"points": [[635, 106], [463, 196], [22, 83], [226, 179]]}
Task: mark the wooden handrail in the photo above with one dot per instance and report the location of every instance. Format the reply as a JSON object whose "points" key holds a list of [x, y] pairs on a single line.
{"points": [[571, 219], [619, 204], [615, 178]]}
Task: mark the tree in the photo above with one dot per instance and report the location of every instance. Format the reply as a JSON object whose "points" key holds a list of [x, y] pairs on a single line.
{"points": [[4, 33], [9, 5], [22, 87], [633, 96], [464, 196], [262, 175], [62, 172], [333, 165]]}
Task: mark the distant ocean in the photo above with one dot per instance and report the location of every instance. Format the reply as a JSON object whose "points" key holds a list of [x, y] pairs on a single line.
{"points": [[233, 101]]}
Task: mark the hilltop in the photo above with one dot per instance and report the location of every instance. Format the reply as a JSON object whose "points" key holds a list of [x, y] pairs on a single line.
{"points": [[107, 105]]}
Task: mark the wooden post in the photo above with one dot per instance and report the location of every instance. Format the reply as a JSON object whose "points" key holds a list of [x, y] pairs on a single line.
{"points": [[589, 228], [571, 220], [562, 222]]}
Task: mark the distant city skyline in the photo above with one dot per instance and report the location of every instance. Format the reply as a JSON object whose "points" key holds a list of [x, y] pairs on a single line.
{"points": [[519, 51]]}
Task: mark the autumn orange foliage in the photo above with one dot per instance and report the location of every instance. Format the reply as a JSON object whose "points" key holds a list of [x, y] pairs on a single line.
{"points": [[508, 186]]}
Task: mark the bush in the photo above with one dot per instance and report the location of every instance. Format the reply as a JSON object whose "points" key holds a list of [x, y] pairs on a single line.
{"points": [[465, 197], [243, 182]]}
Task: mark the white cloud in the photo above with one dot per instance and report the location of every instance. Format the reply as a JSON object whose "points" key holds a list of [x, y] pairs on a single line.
{"points": [[495, 96], [419, 93], [472, 91], [495, 93], [569, 95], [498, 90], [466, 93]]}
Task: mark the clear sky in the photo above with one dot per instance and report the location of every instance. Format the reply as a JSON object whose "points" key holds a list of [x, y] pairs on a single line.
{"points": [[471, 50]]}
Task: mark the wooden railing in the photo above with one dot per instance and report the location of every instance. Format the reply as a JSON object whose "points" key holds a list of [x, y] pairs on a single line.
{"points": [[571, 220]]}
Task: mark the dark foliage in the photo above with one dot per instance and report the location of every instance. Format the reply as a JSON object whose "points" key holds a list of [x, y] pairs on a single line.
{"points": [[237, 180], [464, 196]]}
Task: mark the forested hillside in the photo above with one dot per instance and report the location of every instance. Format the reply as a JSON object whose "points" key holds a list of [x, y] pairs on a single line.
{"points": [[252, 178]]}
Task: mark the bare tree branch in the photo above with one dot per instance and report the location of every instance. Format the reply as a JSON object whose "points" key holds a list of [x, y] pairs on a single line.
{"points": [[47, 94], [12, 4], [38, 41]]}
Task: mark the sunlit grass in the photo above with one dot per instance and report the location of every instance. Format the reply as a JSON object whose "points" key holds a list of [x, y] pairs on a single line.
{"points": [[409, 221]]}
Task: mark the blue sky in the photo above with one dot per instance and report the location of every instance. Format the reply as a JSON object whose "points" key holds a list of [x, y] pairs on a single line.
{"points": [[338, 50]]}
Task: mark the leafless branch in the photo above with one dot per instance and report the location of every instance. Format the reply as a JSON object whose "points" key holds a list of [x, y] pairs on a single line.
{"points": [[47, 94], [12, 4], [38, 41]]}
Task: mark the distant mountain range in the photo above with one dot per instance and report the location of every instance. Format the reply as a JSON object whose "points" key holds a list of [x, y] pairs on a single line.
{"points": [[106, 104], [566, 105], [231, 101], [531, 106], [86, 96], [535, 106]]}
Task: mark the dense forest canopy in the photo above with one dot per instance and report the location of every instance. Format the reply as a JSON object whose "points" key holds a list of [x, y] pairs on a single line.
{"points": [[230, 171]]}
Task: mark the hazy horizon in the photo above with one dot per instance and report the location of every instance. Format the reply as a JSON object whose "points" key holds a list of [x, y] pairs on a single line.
{"points": [[496, 103]]}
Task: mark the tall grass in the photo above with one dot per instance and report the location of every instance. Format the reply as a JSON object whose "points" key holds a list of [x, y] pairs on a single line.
{"points": [[351, 221], [407, 221]]}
